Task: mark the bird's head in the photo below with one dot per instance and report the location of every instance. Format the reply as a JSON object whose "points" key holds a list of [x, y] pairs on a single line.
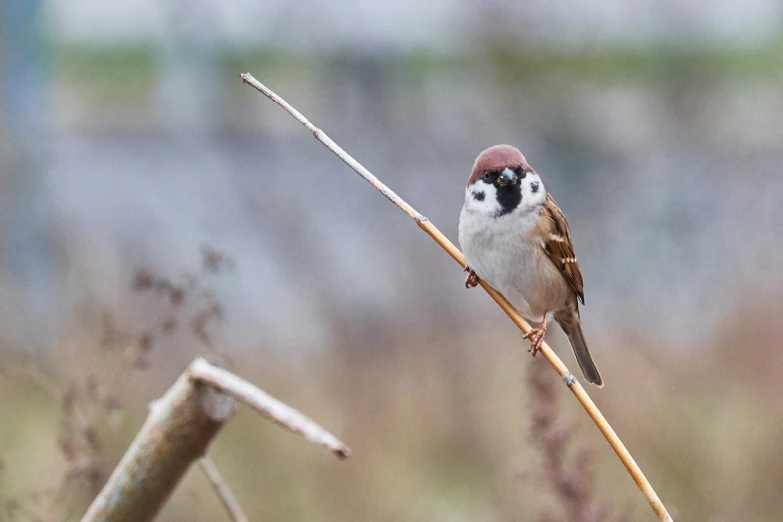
{"points": [[502, 182]]}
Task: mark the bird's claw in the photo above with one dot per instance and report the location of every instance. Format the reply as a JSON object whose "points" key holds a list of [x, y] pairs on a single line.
{"points": [[536, 336], [472, 280]]}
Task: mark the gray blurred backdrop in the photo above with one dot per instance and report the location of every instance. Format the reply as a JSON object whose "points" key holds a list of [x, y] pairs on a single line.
{"points": [[128, 143]]}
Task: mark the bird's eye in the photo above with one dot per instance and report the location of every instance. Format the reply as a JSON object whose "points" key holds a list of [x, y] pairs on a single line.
{"points": [[521, 173], [487, 176]]}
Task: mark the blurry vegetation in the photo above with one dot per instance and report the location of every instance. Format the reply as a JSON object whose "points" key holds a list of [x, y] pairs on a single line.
{"points": [[443, 429], [563, 466], [430, 394], [113, 74], [132, 69], [92, 405], [615, 65]]}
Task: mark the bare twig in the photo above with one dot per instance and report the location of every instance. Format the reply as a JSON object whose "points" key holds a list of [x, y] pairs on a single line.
{"points": [[574, 385], [222, 490], [266, 405], [177, 432]]}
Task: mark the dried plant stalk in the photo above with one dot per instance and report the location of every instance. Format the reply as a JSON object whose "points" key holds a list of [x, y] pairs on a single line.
{"points": [[227, 498], [425, 224], [177, 432], [180, 426], [278, 412]]}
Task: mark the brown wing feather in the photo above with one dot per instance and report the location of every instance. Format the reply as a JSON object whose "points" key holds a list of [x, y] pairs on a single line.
{"points": [[558, 246]]}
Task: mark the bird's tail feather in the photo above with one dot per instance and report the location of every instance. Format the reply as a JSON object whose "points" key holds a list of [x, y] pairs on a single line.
{"points": [[577, 339]]}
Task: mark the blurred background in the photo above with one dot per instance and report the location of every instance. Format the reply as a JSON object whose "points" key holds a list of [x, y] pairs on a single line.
{"points": [[153, 208]]}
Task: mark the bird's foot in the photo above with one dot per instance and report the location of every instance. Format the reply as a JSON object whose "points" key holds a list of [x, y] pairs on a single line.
{"points": [[472, 280], [536, 336]]}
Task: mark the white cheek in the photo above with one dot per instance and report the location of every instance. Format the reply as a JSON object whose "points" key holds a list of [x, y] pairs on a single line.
{"points": [[475, 203], [530, 198]]}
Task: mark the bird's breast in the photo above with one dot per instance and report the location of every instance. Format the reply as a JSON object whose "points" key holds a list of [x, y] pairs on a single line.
{"points": [[502, 254]]}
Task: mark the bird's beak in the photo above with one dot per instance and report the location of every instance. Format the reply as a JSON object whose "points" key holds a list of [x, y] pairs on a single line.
{"points": [[507, 177]]}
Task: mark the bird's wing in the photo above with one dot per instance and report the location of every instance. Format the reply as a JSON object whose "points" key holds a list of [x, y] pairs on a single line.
{"points": [[558, 246]]}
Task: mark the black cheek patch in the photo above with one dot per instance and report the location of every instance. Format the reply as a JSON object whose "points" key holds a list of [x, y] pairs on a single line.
{"points": [[478, 196], [534, 187]]}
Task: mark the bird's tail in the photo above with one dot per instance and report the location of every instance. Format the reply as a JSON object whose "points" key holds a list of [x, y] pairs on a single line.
{"points": [[573, 329]]}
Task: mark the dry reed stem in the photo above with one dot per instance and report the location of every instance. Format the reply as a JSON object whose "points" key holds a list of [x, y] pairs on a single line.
{"points": [[424, 223], [278, 412], [223, 491], [177, 432]]}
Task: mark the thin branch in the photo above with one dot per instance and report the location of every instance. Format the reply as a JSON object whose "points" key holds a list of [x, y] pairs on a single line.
{"points": [[223, 491], [424, 223], [178, 430], [266, 405]]}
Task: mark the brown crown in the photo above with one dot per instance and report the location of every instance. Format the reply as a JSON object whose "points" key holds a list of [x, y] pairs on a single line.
{"points": [[496, 158]]}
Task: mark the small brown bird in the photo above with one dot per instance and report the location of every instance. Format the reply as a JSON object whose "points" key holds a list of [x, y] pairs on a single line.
{"points": [[516, 238]]}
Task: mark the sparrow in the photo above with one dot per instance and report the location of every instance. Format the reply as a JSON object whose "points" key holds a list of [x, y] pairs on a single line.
{"points": [[516, 238]]}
